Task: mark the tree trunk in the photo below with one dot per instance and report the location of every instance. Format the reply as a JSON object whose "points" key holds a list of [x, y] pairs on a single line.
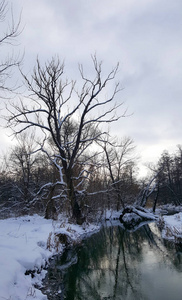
{"points": [[76, 210], [50, 212], [156, 198]]}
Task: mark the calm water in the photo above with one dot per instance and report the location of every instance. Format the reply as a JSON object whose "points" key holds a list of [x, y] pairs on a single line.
{"points": [[119, 265]]}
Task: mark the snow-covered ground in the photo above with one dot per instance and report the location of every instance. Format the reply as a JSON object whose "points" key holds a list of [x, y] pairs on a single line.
{"points": [[27, 243], [172, 227]]}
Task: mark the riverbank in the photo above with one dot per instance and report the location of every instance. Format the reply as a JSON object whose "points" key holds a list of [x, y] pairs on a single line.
{"points": [[26, 245], [172, 227]]}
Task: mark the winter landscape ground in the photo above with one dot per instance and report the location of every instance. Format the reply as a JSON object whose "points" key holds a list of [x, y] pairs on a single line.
{"points": [[27, 243]]}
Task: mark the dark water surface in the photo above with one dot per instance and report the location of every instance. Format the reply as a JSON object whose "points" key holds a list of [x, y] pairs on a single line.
{"points": [[119, 265]]}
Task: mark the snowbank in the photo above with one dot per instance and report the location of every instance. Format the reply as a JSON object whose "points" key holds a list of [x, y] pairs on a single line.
{"points": [[26, 244], [168, 209], [111, 215], [172, 227]]}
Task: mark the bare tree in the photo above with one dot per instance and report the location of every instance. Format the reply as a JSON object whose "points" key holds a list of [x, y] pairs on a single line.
{"points": [[72, 119], [8, 38], [118, 160], [21, 163]]}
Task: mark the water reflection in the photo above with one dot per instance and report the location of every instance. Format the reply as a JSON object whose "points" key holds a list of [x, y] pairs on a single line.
{"points": [[118, 264]]}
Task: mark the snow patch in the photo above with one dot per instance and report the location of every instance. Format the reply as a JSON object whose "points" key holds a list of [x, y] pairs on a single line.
{"points": [[131, 217], [24, 248], [172, 227]]}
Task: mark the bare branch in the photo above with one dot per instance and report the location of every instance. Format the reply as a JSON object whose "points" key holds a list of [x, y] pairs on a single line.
{"points": [[8, 38], [69, 120]]}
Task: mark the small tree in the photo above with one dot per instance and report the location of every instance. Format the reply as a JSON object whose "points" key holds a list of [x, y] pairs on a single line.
{"points": [[70, 118]]}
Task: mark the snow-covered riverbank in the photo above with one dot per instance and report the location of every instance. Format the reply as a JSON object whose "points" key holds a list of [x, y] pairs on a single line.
{"points": [[172, 227], [27, 243]]}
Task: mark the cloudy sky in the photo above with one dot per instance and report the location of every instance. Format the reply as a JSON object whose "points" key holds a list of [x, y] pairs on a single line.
{"points": [[144, 36]]}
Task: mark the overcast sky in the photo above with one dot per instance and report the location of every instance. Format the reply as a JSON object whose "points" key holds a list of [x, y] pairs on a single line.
{"points": [[144, 36]]}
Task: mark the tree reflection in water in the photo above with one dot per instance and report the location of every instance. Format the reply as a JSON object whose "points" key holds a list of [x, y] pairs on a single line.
{"points": [[117, 264]]}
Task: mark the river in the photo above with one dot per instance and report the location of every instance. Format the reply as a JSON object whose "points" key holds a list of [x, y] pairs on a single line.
{"points": [[117, 264]]}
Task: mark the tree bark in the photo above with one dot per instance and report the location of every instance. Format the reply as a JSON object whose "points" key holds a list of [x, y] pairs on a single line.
{"points": [[76, 211]]}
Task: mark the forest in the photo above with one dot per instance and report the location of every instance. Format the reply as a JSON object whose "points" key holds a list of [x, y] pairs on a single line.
{"points": [[30, 182]]}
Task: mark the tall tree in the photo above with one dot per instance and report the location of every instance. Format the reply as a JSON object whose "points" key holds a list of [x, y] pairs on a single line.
{"points": [[71, 118]]}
